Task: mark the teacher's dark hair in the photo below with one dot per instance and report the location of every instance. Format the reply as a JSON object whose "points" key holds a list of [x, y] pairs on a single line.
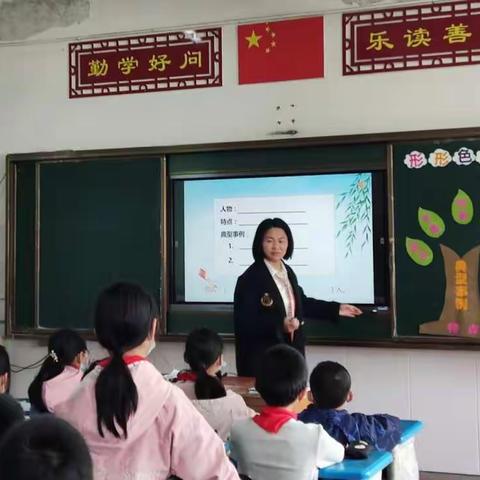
{"points": [[202, 349], [123, 320], [263, 227]]}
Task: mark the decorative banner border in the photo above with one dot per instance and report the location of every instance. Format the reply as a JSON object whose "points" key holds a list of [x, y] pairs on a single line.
{"points": [[409, 38], [148, 63], [463, 157]]}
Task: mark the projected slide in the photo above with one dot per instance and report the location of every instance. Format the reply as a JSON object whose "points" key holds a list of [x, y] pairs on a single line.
{"points": [[331, 221], [309, 216]]}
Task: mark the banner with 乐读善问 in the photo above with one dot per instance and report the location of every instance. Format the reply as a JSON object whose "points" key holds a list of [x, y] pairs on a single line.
{"points": [[411, 37]]}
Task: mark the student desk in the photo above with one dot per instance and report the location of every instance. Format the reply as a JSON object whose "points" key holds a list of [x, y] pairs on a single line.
{"points": [[370, 468], [404, 458], [409, 429], [242, 385]]}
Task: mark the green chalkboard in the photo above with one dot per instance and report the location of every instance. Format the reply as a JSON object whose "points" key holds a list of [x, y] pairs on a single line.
{"points": [[430, 283], [24, 275], [98, 222], [76, 223], [183, 317]]}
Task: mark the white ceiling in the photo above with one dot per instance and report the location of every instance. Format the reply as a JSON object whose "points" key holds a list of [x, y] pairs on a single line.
{"points": [[184, 12], [113, 16]]}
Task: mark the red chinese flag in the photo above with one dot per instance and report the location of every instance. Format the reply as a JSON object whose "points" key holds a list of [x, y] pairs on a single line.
{"points": [[285, 50]]}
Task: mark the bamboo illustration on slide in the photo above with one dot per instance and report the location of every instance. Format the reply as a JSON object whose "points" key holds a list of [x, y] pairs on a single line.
{"points": [[461, 307], [356, 225]]}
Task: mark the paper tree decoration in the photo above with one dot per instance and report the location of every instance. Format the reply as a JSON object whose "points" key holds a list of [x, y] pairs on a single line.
{"points": [[461, 308]]}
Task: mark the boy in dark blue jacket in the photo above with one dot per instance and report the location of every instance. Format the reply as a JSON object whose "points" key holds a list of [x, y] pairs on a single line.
{"points": [[330, 385]]}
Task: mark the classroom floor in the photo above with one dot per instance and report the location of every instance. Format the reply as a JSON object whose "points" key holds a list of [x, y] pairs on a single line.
{"points": [[446, 476]]}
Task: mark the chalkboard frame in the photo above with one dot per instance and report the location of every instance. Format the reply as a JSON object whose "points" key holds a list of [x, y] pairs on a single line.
{"points": [[340, 159], [386, 138]]}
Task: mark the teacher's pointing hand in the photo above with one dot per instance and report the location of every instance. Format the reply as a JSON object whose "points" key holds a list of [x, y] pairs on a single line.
{"points": [[347, 310]]}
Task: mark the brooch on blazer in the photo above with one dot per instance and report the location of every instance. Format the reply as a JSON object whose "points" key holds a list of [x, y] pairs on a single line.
{"points": [[266, 300]]}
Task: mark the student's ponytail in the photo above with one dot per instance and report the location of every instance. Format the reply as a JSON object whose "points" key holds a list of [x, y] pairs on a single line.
{"points": [[202, 350], [49, 369], [63, 346], [208, 387], [124, 317], [116, 396]]}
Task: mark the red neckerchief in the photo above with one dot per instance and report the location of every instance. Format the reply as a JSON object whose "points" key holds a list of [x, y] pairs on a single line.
{"points": [[272, 419], [187, 376], [127, 359]]}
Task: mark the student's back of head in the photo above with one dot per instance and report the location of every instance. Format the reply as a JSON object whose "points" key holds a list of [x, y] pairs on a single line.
{"points": [[203, 353], [281, 376], [65, 347], [44, 448], [11, 412], [4, 370], [330, 385], [125, 318]]}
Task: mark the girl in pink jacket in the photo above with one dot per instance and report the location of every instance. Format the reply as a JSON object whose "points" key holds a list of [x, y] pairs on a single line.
{"points": [[137, 425], [60, 372]]}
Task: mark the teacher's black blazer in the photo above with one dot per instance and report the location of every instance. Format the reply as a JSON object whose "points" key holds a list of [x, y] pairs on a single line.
{"points": [[259, 313]]}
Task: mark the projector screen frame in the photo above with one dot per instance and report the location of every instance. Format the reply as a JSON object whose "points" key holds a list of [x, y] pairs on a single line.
{"points": [[380, 233]]}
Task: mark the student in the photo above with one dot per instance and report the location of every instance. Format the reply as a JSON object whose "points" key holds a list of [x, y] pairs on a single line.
{"points": [[136, 424], [11, 412], [274, 445], [4, 370], [61, 371], [44, 448], [203, 385], [330, 389]]}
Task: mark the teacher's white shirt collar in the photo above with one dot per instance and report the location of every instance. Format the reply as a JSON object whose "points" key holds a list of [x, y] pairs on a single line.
{"points": [[274, 272], [280, 277]]}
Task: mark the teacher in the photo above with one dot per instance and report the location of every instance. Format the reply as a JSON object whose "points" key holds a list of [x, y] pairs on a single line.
{"points": [[269, 305]]}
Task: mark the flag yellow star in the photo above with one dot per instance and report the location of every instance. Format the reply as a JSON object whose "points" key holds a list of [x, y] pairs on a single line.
{"points": [[253, 40]]}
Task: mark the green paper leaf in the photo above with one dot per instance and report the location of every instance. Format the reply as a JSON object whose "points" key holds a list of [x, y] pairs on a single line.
{"points": [[462, 208], [431, 223], [419, 251]]}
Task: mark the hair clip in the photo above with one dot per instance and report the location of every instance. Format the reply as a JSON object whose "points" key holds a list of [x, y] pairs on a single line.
{"points": [[53, 355]]}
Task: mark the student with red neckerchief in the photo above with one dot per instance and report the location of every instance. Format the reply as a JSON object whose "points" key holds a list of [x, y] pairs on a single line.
{"points": [[202, 384], [275, 445], [136, 424]]}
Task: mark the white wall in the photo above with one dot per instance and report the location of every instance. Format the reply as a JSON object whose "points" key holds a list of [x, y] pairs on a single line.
{"points": [[440, 388], [38, 115]]}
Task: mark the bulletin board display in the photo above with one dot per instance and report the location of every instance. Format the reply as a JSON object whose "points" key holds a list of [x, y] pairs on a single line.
{"points": [[437, 239]]}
